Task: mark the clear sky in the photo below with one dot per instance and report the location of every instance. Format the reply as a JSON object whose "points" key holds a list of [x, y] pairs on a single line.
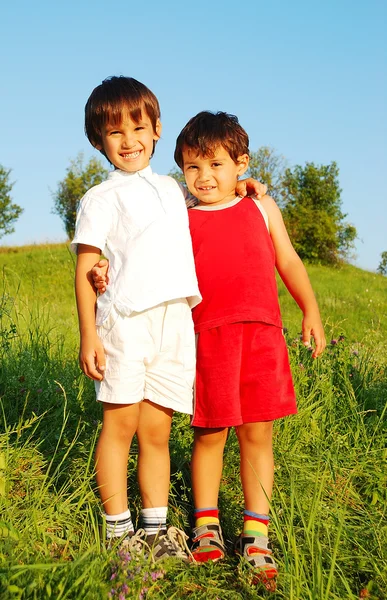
{"points": [[306, 78]]}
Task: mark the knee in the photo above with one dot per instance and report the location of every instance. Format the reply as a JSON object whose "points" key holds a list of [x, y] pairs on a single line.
{"points": [[257, 434], [155, 437], [121, 430], [210, 438]]}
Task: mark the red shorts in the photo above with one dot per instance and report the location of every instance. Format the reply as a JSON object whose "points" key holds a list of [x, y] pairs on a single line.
{"points": [[242, 376]]}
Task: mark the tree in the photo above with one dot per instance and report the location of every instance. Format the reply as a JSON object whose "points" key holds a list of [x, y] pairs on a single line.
{"points": [[79, 178], [9, 212], [268, 167], [178, 175], [313, 216], [382, 268]]}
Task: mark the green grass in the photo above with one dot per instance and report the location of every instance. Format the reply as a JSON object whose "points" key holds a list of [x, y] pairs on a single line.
{"points": [[37, 282], [40, 278], [351, 301], [328, 527]]}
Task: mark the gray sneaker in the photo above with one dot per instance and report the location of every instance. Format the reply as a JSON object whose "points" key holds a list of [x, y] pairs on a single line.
{"points": [[135, 544], [170, 543]]}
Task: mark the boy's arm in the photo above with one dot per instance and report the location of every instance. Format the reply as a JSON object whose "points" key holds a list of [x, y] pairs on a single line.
{"points": [[295, 277], [91, 353]]}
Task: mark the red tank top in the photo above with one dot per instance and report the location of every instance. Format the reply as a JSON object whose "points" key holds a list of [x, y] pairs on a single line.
{"points": [[235, 265]]}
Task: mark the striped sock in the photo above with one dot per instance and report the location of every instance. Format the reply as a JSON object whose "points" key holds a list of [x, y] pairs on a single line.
{"points": [[118, 525], [255, 524], [154, 520], [203, 516]]}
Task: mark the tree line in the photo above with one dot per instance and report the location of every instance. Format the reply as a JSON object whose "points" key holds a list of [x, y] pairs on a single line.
{"points": [[309, 197]]}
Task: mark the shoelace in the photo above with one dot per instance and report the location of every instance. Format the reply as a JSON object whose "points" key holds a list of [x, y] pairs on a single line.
{"points": [[178, 539], [174, 539], [137, 542]]}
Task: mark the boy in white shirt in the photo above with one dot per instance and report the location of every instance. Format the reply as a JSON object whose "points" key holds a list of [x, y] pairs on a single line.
{"points": [[137, 341]]}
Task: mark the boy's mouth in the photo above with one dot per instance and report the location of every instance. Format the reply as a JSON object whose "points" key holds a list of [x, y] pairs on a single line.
{"points": [[131, 154], [206, 188]]}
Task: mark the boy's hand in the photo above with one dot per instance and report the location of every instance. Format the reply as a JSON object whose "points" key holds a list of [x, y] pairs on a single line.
{"points": [[252, 187], [100, 275], [312, 327], [92, 357]]}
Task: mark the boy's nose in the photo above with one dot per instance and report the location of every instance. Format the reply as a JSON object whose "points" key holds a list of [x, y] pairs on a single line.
{"points": [[204, 175], [128, 141]]}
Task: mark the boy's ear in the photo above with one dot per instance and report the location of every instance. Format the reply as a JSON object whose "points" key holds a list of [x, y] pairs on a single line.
{"points": [[157, 133], [243, 163]]}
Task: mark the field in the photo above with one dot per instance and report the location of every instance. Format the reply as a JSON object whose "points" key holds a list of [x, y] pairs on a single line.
{"points": [[328, 528]]}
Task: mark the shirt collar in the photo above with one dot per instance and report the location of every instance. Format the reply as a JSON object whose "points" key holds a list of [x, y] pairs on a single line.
{"points": [[146, 173]]}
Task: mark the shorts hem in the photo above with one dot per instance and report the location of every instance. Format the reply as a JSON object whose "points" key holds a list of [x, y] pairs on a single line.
{"points": [[160, 401], [116, 400], [165, 403], [237, 422], [214, 425]]}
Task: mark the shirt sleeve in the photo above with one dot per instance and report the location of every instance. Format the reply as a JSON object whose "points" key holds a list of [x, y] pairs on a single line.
{"points": [[94, 220]]}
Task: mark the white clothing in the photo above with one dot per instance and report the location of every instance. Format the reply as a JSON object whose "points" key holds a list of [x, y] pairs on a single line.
{"points": [[149, 355], [140, 223]]}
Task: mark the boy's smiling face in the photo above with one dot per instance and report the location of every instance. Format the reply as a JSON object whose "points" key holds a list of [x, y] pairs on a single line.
{"points": [[212, 180], [128, 145]]}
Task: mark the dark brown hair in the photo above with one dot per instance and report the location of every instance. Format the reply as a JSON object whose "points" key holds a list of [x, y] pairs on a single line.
{"points": [[207, 130], [109, 100]]}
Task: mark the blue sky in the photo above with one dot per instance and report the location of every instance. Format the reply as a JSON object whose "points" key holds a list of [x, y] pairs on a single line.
{"points": [[308, 79]]}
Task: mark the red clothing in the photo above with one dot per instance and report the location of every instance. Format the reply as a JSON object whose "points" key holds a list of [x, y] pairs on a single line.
{"points": [[242, 369], [235, 265], [242, 376]]}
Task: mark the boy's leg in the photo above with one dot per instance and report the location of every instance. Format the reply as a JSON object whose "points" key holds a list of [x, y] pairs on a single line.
{"points": [[154, 479], [217, 407], [154, 427], [206, 467], [257, 475], [256, 464], [111, 458]]}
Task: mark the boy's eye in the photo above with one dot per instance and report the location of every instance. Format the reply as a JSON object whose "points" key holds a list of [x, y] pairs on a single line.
{"points": [[216, 164], [139, 128]]}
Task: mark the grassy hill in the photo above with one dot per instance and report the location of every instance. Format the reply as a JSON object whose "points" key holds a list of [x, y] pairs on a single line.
{"points": [[329, 507], [353, 302]]}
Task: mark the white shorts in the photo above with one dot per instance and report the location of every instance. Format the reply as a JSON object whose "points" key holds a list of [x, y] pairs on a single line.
{"points": [[149, 355]]}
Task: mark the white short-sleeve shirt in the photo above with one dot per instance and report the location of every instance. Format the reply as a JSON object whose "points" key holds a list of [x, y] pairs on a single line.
{"points": [[140, 223]]}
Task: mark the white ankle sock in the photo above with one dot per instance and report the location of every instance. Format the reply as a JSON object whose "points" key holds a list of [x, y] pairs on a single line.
{"points": [[154, 519], [118, 525]]}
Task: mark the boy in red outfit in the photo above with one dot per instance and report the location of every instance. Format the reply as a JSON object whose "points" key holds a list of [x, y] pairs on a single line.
{"points": [[243, 377]]}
